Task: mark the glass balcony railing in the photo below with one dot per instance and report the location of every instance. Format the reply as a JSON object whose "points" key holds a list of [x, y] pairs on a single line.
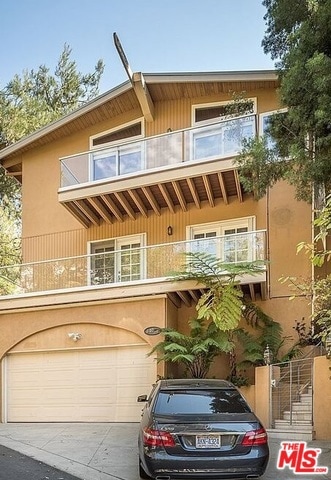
{"points": [[214, 141], [128, 265]]}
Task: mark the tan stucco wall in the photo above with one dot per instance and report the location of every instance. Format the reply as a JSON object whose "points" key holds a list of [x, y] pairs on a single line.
{"points": [[108, 324], [322, 398], [262, 395]]}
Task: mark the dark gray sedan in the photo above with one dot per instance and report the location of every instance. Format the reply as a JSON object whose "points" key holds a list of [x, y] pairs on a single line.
{"points": [[200, 429]]}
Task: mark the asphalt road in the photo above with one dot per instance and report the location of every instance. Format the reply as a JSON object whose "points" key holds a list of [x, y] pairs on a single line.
{"points": [[15, 466]]}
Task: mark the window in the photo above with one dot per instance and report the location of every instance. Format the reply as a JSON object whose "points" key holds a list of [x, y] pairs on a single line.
{"points": [[206, 113], [231, 240], [117, 260], [225, 126], [200, 402], [120, 158], [264, 122]]}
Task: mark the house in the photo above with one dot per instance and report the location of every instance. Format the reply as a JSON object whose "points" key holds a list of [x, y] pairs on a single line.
{"points": [[114, 194]]}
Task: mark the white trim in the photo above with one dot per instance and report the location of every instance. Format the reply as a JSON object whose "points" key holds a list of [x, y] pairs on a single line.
{"points": [[250, 221], [70, 349], [140, 237], [133, 145], [123, 126], [219, 228], [269, 113], [4, 388], [198, 106], [150, 78]]}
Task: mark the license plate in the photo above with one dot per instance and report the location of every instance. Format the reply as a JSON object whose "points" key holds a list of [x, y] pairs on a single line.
{"points": [[208, 441]]}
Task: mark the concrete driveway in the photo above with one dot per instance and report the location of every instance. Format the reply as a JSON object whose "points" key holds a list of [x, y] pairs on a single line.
{"points": [[108, 451]]}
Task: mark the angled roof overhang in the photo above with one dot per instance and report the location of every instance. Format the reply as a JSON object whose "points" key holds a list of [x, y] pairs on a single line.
{"points": [[141, 93]]}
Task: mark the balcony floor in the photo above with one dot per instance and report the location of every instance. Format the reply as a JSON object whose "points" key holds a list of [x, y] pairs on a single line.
{"points": [[111, 203], [180, 293]]}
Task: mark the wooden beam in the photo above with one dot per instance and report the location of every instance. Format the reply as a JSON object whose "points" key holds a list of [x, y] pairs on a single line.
{"points": [[238, 186], [194, 192], [125, 204], [209, 191], [150, 197], [167, 197], [174, 298], [263, 290], [252, 291], [87, 212], [77, 214], [112, 207], [223, 189], [180, 196], [194, 294], [143, 96], [137, 200], [185, 297], [95, 202], [13, 174]]}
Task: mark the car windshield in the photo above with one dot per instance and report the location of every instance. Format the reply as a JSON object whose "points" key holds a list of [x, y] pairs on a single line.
{"points": [[170, 402]]}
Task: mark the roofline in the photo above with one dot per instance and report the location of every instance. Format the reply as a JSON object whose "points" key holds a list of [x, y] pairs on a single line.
{"points": [[101, 99], [150, 78], [227, 76]]}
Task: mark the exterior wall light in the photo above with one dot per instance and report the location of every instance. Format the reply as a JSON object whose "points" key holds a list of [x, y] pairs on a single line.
{"points": [[75, 336], [328, 347], [170, 230], [267, 355]]}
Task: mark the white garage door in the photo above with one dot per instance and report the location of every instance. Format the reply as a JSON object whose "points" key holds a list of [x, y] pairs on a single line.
{"points": [[82, 385]]}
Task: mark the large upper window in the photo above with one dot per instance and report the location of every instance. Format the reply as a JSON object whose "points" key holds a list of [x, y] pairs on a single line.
{"points": [[223, 128], [215, 112], [229, 240], [121, 152], [117, 260], [264, 123]]}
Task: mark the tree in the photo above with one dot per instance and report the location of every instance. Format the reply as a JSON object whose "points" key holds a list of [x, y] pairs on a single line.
{"points": [[317, 290], [38, 98], [197, 350], [298, 38], [28, 103], [223, 300], [216, 329]]}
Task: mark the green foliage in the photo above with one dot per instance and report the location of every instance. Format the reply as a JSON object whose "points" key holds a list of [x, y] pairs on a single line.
{"points": [[196, 350], [259, 166], [223, 300], [37, 98], [317, 291], [297, 37], [268, 332], [10, 252], [27, 103], [216, 329], [317, 251]]}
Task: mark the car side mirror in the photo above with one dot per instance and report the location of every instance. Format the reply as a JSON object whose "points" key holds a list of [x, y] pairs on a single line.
{"points": [[142, 398]]}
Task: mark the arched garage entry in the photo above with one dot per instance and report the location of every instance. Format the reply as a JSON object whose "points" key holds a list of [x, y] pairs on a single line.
{"points": [[94, 380]]}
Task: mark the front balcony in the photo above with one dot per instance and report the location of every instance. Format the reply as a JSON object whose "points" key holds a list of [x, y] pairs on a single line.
{"points": [[169, 171], [130, 272]]}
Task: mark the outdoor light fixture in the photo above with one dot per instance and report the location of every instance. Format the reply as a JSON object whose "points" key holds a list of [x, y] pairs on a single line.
{"points": [[328, 347], [169, 230], [267, 355], [75, 336]]}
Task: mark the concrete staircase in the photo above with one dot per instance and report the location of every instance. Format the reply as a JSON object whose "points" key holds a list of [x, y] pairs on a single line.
{"points": [[296, 423]]}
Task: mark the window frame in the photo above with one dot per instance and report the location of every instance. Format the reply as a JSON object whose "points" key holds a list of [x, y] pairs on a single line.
{"points": [[261, 127], [116, 241], [198, 106], [220, 227], [113, 148]]}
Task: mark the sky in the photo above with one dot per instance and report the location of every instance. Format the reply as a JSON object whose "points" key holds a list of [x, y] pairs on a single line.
{"points": [[157, 36]]}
